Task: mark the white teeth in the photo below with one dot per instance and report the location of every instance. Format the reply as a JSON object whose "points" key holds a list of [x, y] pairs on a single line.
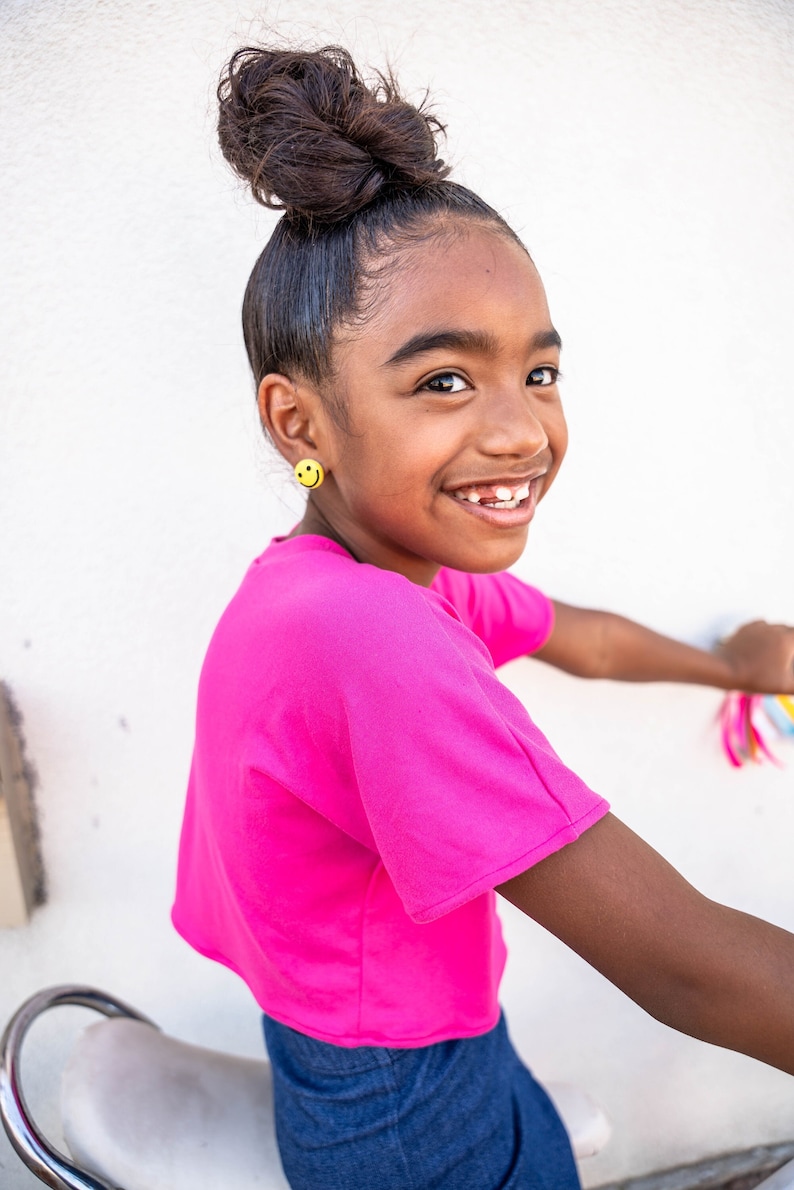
{"points": [[505, 497]]}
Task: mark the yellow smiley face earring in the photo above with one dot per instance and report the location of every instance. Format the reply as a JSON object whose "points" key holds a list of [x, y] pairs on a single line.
{"points": [[309, 473]]}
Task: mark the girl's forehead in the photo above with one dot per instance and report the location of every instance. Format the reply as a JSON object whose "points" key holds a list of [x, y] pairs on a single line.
{"points": [[475, 279]]}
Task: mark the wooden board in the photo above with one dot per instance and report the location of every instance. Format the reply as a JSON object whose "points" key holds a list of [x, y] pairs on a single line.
{"points": [[21, 883]]}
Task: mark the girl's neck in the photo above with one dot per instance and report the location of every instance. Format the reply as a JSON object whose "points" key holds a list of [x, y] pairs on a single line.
{"points": [[418, 570]]}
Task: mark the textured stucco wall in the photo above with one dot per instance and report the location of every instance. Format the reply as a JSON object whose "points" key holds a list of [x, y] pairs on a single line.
{"points": [[646, 152]]}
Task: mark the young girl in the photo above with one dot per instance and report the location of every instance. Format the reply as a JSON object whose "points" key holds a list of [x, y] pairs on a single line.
{"points": [[362, 782]]}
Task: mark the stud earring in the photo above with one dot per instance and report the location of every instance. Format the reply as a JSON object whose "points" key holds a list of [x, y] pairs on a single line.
{"points": [[309, 473]]}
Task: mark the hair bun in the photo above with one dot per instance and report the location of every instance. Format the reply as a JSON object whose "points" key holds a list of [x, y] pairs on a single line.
{"points": [[310, 137]]}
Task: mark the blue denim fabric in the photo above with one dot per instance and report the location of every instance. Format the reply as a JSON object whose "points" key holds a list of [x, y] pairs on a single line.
{"points": [[458, 1115]]}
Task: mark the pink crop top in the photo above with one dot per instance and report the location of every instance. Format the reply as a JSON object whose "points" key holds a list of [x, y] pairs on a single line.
{"points": [[361, 781]]}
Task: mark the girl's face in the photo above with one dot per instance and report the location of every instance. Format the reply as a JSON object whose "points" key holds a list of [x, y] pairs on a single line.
{"points": [[455, 424]]}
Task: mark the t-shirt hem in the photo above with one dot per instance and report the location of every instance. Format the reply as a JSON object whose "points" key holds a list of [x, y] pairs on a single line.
{"points": [[390, 1041], [567, 834], [346, 1040], [547, 629]]}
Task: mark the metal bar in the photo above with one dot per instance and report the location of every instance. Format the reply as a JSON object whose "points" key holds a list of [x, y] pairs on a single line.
{"points": [[50, 1166]]}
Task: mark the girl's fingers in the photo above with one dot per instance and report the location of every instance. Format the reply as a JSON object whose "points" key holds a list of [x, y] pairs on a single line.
{"points": [[761, 656]]}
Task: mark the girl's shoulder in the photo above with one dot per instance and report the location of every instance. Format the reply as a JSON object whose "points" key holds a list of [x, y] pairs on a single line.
{"points": [[307, 596], [320, 580]]}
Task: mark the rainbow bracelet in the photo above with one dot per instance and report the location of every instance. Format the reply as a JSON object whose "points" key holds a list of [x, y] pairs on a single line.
{"points": [[746, 721]]}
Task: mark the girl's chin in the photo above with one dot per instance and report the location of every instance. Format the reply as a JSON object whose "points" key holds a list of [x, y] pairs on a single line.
{"points": [[486, 555]]}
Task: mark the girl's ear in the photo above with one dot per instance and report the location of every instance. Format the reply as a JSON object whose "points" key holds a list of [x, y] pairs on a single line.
{"points": [[292, 415]]}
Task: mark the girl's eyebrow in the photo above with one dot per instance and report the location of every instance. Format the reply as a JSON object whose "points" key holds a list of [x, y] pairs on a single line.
{"points": [[471, 341]]}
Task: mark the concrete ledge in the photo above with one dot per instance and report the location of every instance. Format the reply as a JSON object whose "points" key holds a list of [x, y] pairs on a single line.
{"points": [[733, 1171]]}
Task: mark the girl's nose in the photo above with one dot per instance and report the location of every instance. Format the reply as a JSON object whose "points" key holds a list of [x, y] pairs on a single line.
{"points": [[514, 425]]}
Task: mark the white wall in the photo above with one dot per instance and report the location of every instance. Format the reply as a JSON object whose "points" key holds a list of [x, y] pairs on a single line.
{"points": [[646, 152]]}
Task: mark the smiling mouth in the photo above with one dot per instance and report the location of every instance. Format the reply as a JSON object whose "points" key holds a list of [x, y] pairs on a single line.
{"points": [[501, 505], [499, 495]]}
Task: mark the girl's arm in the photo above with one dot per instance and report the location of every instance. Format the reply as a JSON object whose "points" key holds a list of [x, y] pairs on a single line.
{"points": [[758, 658], [706, 970]]}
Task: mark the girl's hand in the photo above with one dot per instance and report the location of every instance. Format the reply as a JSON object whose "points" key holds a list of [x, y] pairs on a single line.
{"points": [[761, 658]]}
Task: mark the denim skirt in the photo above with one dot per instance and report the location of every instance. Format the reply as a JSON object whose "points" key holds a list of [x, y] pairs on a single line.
{"points": [[457, 1115]]}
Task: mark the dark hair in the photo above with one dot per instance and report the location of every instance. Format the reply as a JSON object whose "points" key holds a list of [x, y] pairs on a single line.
{"points": [[354, 169]]}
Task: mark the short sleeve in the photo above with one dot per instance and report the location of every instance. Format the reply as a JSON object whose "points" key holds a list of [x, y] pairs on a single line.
{"points": [[460, 789], [509, 616]]}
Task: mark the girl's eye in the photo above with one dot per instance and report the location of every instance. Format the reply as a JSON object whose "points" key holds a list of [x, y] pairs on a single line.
{"points": [[446, 382], [543, 376]]}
